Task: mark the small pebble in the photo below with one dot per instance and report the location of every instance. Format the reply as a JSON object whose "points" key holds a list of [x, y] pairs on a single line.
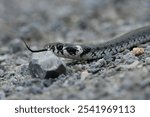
{"points": [[3, 57], [84, 74], [13, 80], [1, 73], [138, 51], [100, 63], [129, 58], [19, 88], [20, 61], [24, 70], [35, 90], [147, 48], [117, 61], [130, 66], [96, 66], [47, 82], [147, 60], [145, 83], [2, 95]]}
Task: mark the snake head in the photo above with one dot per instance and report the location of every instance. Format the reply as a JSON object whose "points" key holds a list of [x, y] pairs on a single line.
{"points": [[65, 50]]}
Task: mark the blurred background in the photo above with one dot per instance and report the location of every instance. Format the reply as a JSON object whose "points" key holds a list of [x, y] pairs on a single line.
{"points": [[70, 20]]}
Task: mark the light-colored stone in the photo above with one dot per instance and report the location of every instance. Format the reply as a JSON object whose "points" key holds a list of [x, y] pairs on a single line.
{"points": [[138, 51], [147, 60], [84, 74]]}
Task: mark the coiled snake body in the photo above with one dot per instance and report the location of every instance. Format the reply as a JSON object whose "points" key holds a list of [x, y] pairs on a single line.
{"points": [[90, 52]]}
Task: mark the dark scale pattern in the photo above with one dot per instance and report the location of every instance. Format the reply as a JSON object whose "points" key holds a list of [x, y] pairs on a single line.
{"points": [[59, 47], [72, 50], [94, 54], [86, 50]]}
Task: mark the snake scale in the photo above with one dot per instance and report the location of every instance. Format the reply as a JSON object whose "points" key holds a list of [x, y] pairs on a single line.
{"points": [[91, 52]]}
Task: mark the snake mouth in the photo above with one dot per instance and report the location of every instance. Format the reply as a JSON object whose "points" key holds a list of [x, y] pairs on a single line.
{"points": [[33, 51]]}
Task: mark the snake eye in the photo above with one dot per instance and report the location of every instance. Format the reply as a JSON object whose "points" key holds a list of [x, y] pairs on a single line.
{"points": [[59, 46]]}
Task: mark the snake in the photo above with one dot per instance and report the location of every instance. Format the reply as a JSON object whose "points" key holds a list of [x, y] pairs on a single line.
{"points": [[128, 40]]}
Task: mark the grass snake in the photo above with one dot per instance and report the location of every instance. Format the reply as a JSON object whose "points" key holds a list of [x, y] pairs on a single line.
{"points": [[91, 52]]}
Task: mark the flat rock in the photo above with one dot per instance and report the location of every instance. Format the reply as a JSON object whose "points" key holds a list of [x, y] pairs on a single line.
{"points": [[46, 65]]}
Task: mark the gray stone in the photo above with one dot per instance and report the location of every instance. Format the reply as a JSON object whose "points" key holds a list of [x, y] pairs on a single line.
{"points": [[130, 66], [129, 58], [46, 65], [84, 74], [47, 82], [20, 61], [147, 48], [2, 95], [147, 60], [1, 73], [96, 66], [100, 63], [19, 88], [13, 80], [24, 70], [3, 57], [35, 90]]}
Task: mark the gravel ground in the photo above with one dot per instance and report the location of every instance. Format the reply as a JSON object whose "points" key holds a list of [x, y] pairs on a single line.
{"points": [[73, 21]]}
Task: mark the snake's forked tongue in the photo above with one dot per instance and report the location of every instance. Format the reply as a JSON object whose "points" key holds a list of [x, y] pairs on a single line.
{"points": [[41, 50]]}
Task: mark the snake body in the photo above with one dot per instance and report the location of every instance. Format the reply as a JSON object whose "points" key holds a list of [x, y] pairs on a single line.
{"points": [[91, 52]]}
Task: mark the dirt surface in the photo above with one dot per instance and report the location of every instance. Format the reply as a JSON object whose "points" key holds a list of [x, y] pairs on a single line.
{"points": [[73, 21]]}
